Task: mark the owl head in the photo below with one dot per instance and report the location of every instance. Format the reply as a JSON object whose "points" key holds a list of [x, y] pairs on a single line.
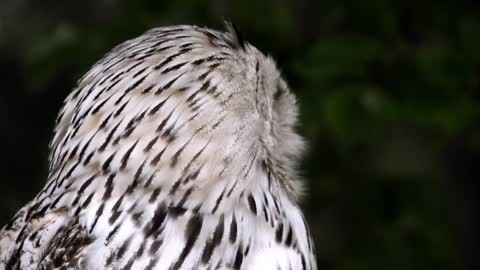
{"points": [[197, 110]]}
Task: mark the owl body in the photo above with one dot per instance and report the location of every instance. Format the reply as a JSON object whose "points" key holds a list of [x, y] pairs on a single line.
{"points": [[177, 150]]}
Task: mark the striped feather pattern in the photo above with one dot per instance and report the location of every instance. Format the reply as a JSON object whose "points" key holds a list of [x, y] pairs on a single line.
{"points": [[177, 150]]}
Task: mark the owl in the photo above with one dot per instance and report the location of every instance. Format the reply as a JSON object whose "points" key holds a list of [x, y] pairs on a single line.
{"points": [[177, 150]]}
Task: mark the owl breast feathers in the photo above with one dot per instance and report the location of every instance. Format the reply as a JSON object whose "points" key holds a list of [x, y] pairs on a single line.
{"points": [[177, 150]]}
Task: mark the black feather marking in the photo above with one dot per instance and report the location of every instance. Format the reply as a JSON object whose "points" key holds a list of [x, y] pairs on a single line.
{"points": [[175, 211], [155, 224], [104, 122], [123, 248], [158, 106], [214, 242], [238, 258], [252, 204], [108, 187], [172, 68], [112, 232], [154, 195], [106, 164], [136, 179], [150, 144], [119, 111], [217, 203], [237, 41], [233, 230], [88, 200], [98, 213], [167, 85], [89, 157], [192, 232], [155, 246], [157, 157], [126, 156], [177, 154], [164, 121], [146, 90], [152, 263], [82, 189], [288, 240], [279, 233], [109, 137]]}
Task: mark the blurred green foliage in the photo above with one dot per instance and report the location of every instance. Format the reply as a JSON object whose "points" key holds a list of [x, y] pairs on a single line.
{"points": [[389, 98]]}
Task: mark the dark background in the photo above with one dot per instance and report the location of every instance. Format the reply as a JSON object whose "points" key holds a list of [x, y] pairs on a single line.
{"points": [[389, 94]]}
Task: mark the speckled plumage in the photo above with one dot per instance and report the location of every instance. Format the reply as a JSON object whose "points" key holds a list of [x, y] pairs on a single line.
{"points": [[177, 150]]}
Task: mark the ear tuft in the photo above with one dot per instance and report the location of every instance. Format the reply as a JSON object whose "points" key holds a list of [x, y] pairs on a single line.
{"points": [[237, 41]]}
